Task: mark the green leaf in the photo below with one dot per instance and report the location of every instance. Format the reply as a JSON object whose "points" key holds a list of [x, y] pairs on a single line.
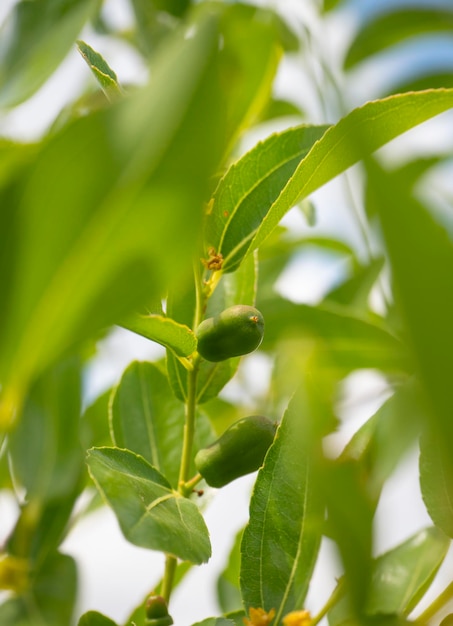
{"points": [[94, 427], [36, 37], [228, 587], [150, 513], [146, 418], [93, 618], [177, 337], [281, 541], [394, 26], [50, 599], [379, 445], [422, 269], [436, 482], [114, 172], [250, 187], [103, 73], [352, 342], [402, 575], [355, 291], [242, 218], [44, 448]]}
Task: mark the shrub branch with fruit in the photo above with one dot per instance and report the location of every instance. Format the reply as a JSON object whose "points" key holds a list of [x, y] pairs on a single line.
{"points": [[156, 207]]}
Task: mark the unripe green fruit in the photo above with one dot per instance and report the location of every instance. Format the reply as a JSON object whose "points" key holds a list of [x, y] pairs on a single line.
{"points": [[236, 331], [240, 450], [157, 612]]}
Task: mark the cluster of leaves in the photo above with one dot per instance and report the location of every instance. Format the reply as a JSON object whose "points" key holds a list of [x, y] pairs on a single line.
{"points": [[104, 222]]}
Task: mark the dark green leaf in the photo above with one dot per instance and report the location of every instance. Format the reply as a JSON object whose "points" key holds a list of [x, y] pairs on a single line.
{"points": [[36, 37], [395, 26], [105, 76], [436, 482], [150, 513], [93, 618], [147, 419], [281, 541], [250, 187], [177, 337]]}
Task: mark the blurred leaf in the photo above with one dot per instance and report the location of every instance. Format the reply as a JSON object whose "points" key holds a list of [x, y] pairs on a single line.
{"points": [[279, 172], [228, 587], [35, 38], [422, 268], [177, 337], [45, 450], [13, 158], [352, 342], [331, 4], [394, 26], [436, 483], [435, 79], [49, 600], [280, 108], [146, 418], [379, 445], [237, 617], [93, 618], [105, 76], [402, 575], [355, 291], [350, 519], [94, 427], [250, 187], [151, 515], [114, 172], [281, 541]]}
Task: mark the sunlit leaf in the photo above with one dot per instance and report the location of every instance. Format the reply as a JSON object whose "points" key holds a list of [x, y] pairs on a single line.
{"points": [[264, 184], [113, 172], [177, 337], [151, 515], [394, 26], [35, 38]]}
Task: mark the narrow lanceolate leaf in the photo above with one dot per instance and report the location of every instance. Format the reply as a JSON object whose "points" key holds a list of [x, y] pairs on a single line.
{"points": [[146, 418], [248, 189], [260, 188], [150, 514], [436, 483], [176, 337], [36, 37], [395, 26], [103, 73], [281, 541], [215, 621]]}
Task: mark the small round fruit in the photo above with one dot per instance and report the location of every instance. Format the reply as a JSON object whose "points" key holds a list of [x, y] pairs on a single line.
{"points": [[236, 331], [157, 612], [239, 451]]}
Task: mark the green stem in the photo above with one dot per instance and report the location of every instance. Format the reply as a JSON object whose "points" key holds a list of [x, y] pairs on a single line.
{"points": [[436, 605], [335, 596], [169, 576]]}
